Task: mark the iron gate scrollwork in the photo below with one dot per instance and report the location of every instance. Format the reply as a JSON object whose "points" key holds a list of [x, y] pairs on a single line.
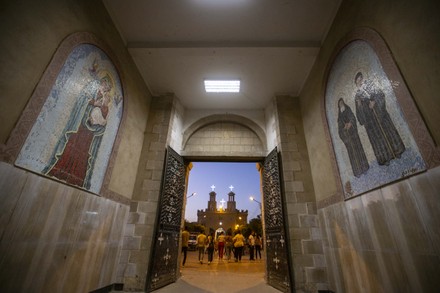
{"points": [[278, 273], [163, 265]]}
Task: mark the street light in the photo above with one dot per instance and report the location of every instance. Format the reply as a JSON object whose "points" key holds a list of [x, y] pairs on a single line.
{"points": [[253, 199], [192, 194]]}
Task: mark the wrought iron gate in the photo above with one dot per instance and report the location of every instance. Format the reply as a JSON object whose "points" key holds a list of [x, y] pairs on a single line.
{"points": [[163, 263], [277, 257]]}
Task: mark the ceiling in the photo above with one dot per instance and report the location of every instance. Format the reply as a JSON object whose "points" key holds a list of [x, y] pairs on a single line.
{"points": [[270, 46]]}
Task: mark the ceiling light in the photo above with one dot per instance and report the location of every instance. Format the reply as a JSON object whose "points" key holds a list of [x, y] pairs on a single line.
{"points": [[222, 86]]}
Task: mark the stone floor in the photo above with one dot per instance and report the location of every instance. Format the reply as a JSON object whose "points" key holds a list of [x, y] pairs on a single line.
{"points": [[220, 276]]}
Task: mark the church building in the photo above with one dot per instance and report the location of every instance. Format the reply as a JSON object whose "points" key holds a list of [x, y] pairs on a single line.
{"points": [[220, 217]]}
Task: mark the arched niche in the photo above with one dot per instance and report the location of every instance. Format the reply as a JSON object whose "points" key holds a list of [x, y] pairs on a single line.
{"points": [[224, 135]]}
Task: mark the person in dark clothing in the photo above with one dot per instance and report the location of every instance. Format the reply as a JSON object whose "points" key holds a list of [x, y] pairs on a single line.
{"points": [[371, 112], [348, 132], [257, 246]]}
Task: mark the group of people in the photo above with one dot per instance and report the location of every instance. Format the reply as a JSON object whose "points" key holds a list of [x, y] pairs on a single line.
{"points": [[226, 245], [254, 246]]}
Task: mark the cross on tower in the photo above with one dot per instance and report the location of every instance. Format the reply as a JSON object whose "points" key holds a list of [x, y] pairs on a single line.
{"points": [[231, 187], [212, 187]]}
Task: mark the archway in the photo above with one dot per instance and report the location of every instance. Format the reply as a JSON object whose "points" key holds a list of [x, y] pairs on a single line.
{"points": [[275, 240]]}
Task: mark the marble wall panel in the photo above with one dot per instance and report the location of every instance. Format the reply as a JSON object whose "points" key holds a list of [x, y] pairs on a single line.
{"points": [[331, 253], [57, 238], [367, 268], [428, 268], [349, 272], [360, 231], [380, 237], [9, 195], [429, 204], [391, 268], [386, 240], [376, 213], [400, 199]]}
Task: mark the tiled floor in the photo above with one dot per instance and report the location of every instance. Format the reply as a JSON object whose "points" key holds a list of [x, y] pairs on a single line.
{"points": [[220, 276]]}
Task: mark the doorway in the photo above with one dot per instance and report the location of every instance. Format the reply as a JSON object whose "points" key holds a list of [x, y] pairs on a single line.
{"points": [[224, 197], [219, 200], [171, 209], [240, 178]]}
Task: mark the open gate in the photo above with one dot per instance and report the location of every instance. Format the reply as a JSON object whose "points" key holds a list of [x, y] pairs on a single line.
{"points": [[277, 257], [163, 263]]}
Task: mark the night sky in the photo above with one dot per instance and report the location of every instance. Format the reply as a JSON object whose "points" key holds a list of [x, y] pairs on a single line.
{"points": [[244, 177]]}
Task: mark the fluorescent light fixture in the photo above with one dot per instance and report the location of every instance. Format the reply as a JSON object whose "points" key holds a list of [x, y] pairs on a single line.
{"points": [[222, 86]]}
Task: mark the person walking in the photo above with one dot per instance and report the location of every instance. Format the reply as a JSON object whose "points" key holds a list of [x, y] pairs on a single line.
{"points": [[251, 245], [221, 245], [258, 246], [201, 242], [185, 239], [210, 248], [238, 245], [229, 244]]}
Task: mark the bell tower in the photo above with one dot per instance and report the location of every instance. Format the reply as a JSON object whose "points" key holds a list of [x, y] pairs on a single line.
{"points": [[231, 206], [212, 203]]}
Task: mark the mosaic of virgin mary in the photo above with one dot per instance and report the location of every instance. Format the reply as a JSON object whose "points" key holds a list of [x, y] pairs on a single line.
{"points": [[78, 124], [75, 154]]}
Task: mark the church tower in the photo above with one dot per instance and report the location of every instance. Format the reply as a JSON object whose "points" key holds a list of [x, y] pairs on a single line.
{"points": [[231, 206], [214, 218], [212, 203]]}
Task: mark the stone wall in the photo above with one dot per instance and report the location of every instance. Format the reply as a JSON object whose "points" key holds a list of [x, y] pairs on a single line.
{"points": [[224, 139], [224, 136], [302, 219], [138, 241]]}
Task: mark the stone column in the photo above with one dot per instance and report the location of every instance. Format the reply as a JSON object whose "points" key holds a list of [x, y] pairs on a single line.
{"points": [[138, 240], [303, 226]]}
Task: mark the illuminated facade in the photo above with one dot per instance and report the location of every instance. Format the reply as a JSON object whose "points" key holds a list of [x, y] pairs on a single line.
{"points": [[216, 217]]}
